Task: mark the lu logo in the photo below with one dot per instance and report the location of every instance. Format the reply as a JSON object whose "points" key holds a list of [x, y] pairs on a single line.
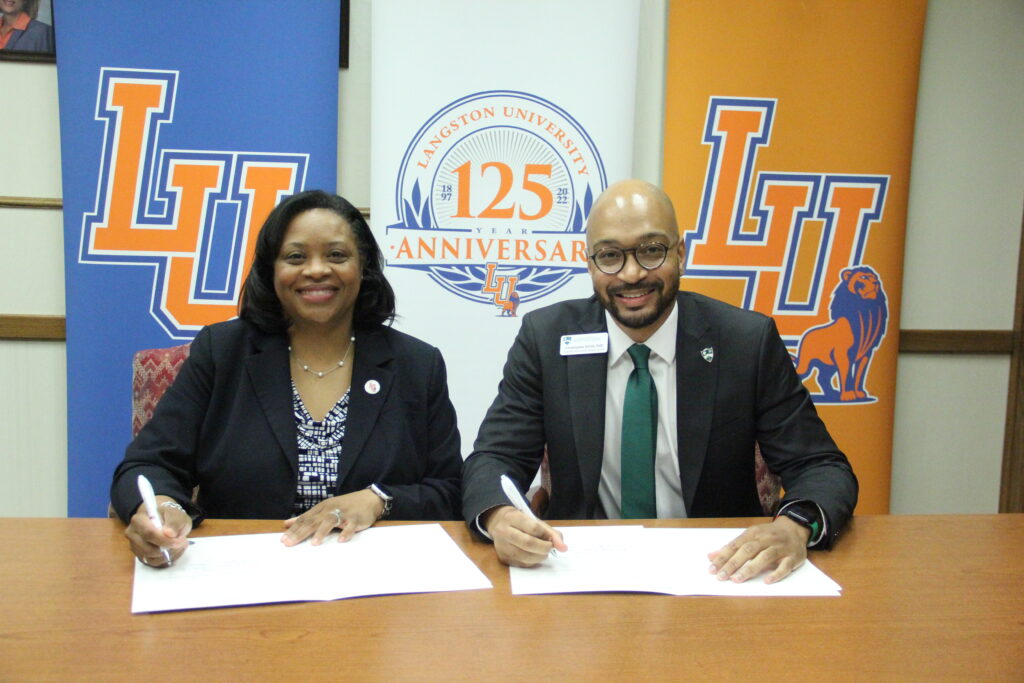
{"points": [[503, 287], [192, 215], [781, 239]]}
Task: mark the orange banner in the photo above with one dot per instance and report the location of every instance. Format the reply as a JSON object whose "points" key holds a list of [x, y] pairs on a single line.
{"points": [[788, 137]]}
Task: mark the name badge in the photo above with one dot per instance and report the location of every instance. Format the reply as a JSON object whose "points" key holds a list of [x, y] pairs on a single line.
{"points": [[584, 344]]}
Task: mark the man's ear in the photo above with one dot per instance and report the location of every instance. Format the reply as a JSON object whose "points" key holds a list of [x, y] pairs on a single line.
{"points": [[590, 261]]}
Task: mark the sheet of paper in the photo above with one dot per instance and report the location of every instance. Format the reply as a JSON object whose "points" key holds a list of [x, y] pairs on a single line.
{"points": [[595, 562], [219, 571], [684, 553], [635, 559]]}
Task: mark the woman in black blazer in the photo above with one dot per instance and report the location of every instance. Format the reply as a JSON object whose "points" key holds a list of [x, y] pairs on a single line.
{"points": [[307, 408]]}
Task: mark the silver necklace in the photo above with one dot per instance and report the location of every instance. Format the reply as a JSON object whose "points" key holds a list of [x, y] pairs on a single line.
{"points": [[323, 373]]}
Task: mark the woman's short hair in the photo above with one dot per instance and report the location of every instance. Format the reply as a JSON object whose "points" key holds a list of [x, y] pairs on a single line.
{"points": [[259, 304]]}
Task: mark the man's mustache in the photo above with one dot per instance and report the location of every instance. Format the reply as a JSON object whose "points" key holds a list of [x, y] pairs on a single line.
{"points": [[634, 287]]}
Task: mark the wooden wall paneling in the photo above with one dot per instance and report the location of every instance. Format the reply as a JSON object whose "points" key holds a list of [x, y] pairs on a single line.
{"points": [[956, 341], [31, 203], [1011, 488], [32, 327]]}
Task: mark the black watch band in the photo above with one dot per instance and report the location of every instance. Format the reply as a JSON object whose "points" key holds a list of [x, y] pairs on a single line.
{"points": [[806, 515]]}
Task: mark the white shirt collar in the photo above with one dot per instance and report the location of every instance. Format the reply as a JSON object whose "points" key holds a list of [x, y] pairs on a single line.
{"points": [[662, 343]]}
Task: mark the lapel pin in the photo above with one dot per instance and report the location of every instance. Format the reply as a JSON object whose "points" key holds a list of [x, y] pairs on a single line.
{"points": [[708, 354], [372, 386]]}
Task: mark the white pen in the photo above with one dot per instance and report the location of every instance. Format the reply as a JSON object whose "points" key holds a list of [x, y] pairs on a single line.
{"points": [[149, 500], [518, 502]]}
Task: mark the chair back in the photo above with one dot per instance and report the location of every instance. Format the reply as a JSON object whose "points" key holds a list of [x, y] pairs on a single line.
{"points": [[769, 485], [153, 370]]}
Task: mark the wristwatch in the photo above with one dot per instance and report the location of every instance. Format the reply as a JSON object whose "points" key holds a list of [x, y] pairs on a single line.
{"points": [[805, 513], [384, 497]]}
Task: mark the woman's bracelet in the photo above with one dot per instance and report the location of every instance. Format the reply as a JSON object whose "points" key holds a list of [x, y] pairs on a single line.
{"points": [[172, 504]]}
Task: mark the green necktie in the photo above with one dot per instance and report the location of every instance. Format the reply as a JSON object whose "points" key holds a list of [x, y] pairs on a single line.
{"points": [[639, 439]]}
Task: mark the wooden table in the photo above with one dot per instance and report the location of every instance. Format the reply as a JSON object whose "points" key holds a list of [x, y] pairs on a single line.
{"points": [[924, 598]]}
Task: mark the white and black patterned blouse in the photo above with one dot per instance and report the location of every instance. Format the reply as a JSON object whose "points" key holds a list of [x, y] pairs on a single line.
{"points": [[319, 449]]}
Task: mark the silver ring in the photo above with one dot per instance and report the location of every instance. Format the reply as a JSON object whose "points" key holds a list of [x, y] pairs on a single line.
{"points": [[144, 560], [337, 515]]}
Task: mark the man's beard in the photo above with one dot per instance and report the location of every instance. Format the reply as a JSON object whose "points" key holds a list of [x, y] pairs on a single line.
{"points": [[643, 317]]}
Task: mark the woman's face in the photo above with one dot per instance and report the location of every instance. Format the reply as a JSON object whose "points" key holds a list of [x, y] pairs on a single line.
{"points": [[318, 270], [12, 6]]}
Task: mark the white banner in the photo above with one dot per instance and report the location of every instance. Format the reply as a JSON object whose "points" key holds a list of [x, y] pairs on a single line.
{"points": [[495, 126]]}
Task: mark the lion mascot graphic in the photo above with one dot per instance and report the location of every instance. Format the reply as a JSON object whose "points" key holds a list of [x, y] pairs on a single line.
{"points": [[841, 350], [509, 306]]}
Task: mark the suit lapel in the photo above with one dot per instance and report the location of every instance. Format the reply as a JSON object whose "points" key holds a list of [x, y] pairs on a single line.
{"points": [[268, 370], [372, 364], [588, 378], [697, 381]]}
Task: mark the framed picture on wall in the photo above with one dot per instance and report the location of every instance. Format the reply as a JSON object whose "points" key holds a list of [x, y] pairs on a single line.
{"points": [[26, 31], [343, 44]]}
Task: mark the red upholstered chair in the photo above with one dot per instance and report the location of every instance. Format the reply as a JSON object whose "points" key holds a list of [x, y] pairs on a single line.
{"points": [[540, 496], [768, 485], [153, 370]]}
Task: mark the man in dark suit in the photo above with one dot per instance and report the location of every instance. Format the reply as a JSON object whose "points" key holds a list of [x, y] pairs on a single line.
{"points": [[649, 402]]}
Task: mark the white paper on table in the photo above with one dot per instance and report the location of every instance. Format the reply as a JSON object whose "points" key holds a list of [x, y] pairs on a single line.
{"points": [[671, 561], [218, 571], [600, 558], [684, 557]]}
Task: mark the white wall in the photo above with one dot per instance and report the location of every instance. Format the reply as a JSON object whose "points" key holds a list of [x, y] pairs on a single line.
{"points": [[963, 236], [33, 406], [963, 241]]}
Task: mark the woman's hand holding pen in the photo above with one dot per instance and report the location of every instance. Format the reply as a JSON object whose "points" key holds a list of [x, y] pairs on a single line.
{"points": [[351, 513], [148, 542]]}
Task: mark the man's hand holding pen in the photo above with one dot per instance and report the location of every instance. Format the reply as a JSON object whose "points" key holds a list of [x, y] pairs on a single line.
{"points": [[520, 539]]}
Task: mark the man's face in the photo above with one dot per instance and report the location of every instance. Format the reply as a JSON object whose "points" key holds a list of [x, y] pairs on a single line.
{"points": [[637, 298]]}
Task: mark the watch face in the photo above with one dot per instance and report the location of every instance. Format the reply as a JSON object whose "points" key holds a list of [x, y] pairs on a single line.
{"points": [[799, 518], [806, 516], [380, 493], [803, 512]]}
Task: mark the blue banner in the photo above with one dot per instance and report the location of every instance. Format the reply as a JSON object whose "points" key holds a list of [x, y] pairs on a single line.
{"points": [[180, 130]]}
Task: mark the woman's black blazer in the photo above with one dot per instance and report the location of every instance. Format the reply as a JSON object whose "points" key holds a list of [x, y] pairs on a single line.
{"points": [[226, 425]]}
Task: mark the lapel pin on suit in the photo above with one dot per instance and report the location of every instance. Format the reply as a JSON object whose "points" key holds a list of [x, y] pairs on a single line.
{"points": [[372, 386], [707, 354]]}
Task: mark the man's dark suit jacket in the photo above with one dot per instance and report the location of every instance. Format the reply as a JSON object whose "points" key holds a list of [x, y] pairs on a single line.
{"points": [[227, 425], [748, 392]]}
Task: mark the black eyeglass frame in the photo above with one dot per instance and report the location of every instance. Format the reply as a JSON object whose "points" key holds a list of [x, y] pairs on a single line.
{"points": [[623, 252]]}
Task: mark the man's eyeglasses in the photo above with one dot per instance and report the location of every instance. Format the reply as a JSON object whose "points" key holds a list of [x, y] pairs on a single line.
{"points": [[610, 260]]}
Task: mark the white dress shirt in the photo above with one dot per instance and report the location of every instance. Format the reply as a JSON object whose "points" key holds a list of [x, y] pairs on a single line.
{"points": [[662, 364]]}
